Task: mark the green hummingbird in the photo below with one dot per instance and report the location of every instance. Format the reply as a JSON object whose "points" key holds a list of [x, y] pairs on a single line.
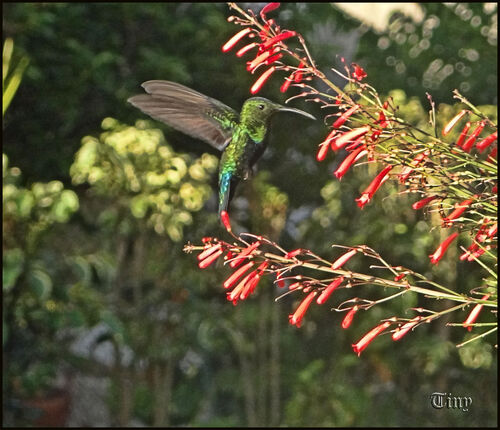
{"points": [[241, 138]]}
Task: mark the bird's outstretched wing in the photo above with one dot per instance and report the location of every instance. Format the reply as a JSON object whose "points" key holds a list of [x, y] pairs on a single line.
{"points": [[188, 111]]}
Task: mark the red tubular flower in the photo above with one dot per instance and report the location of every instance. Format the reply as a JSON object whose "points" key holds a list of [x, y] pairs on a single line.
{"points": [[487, 141], [447, 128], [251, 65], [467, 146], [252, 282], [355, 144], [235, 39], [330, 137], [279, 281], [368, 337], [273, 58], [344, 258], [235, 293], [346, 322], [438, 254], [373, 187], [268, 8], [298, 73], [295, 286], [296, 318], [421, 203], [229, 282], [243, 254], [349, 161], [208, 251], [284, 87], [343, 139], [478, 253], [358, 73], [463, 134], [276, 39], [322, 151], [245, 49], [326, 293], [262, 79], [401, 331], [344, 116], [294, 253], [474, 314], [210, 259], [224, 216], [382, 120], [459, 210]]}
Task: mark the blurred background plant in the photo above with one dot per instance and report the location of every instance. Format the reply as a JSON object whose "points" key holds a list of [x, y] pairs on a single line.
{"points": [[173, 350]]}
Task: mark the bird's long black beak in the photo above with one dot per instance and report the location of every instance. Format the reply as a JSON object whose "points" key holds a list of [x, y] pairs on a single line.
{"points": [[300, 112]]}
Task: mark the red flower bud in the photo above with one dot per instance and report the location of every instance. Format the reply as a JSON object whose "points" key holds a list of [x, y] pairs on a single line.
{"points": [[268, 8], [229, 282], [349, 161], [346, 322], [401, 331], [438, 254], [467, 146], [474, 314], [262, 79], [243, 254], [278, 38], [343, 139], [344, 258], [421, 203], [224, 216], [210, 259], [463, 134], [373, 187], [343, 118], [296, 318], [245, 49], [235, 39], [208, 251], [487, 141], [326, 293], [459, 210], [368, 337]]}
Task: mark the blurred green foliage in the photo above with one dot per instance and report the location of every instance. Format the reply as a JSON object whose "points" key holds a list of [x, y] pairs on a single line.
{"points": [[93, 229]]}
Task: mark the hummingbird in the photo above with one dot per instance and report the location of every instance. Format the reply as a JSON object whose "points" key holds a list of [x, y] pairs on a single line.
{"points": [[242, 138]]}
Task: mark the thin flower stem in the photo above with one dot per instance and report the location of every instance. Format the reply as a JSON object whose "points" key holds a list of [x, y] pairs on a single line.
{"points": [[477, 337]]}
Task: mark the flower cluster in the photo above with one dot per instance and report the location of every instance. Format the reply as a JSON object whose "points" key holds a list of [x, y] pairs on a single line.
{"points": [[252, 258], [455, 177]]}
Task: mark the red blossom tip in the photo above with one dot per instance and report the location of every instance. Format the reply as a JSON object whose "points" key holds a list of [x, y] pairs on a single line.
{"points": [[262, 79], [229, 282], [349, 136], [424, 202], [343, 118], [400, 332], [244, 254], [463, 134], [474, 314], [296, 317], [368, 337], [276, 39], [349, 161], [210, 259], [487, 141], [373, 187], [438, 254], [327, 292], [346, 322], [224, 216], [235, 39], [467, 146], [268, 8], [344, 258]]}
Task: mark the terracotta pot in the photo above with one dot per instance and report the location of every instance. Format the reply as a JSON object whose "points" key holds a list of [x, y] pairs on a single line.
{"points": [[54, 408]]}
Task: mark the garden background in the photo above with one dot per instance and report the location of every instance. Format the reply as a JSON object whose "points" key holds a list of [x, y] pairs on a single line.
{"points": [[101, 304]]}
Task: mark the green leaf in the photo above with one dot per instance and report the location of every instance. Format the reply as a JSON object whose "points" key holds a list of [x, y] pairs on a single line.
{"points": [[41, 283]]}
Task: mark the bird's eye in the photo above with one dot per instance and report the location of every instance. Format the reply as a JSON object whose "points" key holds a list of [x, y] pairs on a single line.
{"points": [[261, 107]]}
